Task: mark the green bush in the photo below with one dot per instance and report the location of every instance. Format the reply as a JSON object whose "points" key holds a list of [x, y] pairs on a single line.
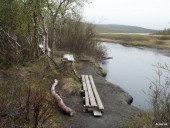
{"points": [[78, 38], [25, 99]]}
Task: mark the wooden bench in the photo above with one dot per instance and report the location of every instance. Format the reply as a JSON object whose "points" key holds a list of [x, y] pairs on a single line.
{"points": [[91, 96]]}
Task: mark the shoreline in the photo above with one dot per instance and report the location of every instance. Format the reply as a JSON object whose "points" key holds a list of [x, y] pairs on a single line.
{"points": [[163, 50], [115, 100]]}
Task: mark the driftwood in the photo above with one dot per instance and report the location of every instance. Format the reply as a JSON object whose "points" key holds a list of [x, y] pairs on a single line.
{"points": [[100, 59], [59, 101], [106, 58]]}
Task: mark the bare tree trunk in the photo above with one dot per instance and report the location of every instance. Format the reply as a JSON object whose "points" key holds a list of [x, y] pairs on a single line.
{"points": [[47, 50], [54, 39], [35, 29], [45, 47], [59, 101]]}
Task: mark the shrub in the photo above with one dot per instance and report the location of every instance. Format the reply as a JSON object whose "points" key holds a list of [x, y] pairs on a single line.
{"points": [[164, 37], [159, 42], [159, 93], [26, 102], [78, 38]]}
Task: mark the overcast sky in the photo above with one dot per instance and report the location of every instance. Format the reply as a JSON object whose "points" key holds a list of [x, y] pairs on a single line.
{"points": [[154, 14]]}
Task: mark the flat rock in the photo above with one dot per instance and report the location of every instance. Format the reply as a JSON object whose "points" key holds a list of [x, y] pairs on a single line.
{"points": [[115, 100]]}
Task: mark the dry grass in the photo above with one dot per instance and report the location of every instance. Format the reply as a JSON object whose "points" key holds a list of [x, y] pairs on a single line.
{"points": [[142, 121], [136, 40], [71, 86], [25, 99]]}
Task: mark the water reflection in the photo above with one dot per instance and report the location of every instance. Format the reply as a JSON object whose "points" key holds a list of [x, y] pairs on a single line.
{"points": [[132, 69]]}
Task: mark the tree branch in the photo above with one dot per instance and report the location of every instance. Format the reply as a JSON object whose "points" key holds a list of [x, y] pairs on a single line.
{"points": [[10, 37]]}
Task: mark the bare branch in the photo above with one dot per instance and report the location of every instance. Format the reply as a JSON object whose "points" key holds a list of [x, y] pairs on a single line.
{"points": [[15, 40]]}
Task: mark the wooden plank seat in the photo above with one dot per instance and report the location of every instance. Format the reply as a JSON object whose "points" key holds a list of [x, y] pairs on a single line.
{"points": [[84, 83], [98, 100], [87, 102], [97, 113], [92, 98]]}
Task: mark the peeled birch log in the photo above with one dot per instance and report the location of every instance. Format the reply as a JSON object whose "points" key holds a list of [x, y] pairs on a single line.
{"points": [[59, 101]]}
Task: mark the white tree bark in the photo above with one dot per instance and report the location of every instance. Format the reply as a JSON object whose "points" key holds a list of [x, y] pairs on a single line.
{"points": [[59, 101], [46, 48]]}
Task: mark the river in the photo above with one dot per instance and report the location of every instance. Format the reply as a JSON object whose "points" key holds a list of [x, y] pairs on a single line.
{"points": [[132, 69], [128, 33]]}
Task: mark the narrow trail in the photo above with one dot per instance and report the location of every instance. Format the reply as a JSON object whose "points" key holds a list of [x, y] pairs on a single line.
{"points": [[114, 98]]}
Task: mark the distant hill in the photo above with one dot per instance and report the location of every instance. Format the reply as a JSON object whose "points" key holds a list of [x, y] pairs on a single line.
{"points": [[112, 28]]}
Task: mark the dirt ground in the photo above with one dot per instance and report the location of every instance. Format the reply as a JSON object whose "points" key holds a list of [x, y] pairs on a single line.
{"points": [[115, 101]]}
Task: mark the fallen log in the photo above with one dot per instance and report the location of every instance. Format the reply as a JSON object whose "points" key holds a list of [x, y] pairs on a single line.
{"points": [[59, 101], [106, 58]]}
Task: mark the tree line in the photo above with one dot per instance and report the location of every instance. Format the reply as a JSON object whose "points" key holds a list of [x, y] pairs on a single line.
{"points": [[30, 31], [163, 32], [28, 25]]}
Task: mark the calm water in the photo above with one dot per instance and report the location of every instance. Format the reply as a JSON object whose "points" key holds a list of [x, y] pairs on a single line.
{"points": [[132, 69]]}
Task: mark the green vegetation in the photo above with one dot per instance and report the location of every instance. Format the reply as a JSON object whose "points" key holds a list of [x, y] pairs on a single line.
{"points": [[25, 99], [112, 28], [34, 35], [53, 25], [78, 39], [136, 40]]}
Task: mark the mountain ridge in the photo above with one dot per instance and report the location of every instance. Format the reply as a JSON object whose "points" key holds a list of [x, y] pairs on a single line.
{"points": [[115, 28]]}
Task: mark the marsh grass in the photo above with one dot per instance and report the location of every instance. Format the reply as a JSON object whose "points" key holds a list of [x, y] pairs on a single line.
{"points": [[144, 120], [125, 37], [136, 40]]}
